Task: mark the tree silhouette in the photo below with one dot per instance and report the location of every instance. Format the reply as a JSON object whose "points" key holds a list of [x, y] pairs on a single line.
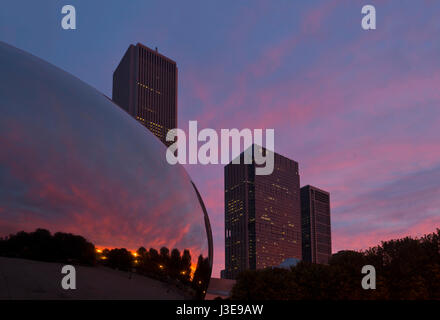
{"points": [[41, 245], [185, 267], [174, 264], [121, 259], [141, 251], [406, 269], [201, 276], [173, 268]]}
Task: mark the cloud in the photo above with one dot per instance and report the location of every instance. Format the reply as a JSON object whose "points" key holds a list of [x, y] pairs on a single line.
{"points": [[358, 110]]}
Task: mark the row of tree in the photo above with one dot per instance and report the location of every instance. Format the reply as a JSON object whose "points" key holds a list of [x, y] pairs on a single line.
{"points": [[172, 267], [43, 246], [162, 265], [406, 268]]}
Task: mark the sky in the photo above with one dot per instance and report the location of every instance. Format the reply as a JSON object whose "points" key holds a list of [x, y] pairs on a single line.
{"points": [[359, 110]]}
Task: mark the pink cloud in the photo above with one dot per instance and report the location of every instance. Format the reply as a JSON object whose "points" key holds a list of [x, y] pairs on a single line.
{"points": [[359, 116]]}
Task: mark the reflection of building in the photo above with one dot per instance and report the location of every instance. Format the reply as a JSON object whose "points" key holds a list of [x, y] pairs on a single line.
{"points": [[78, 136], [145, 85], [262, 216], [315, 222]]}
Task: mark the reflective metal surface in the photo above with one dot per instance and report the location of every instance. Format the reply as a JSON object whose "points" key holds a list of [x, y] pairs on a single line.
{"points": [[72, 161]]}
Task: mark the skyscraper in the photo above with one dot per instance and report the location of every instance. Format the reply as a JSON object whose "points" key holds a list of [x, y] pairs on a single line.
{"points": [[145, 85], [262, 215], [315, 225]]}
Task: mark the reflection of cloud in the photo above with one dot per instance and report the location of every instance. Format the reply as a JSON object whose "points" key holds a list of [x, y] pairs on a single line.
{"points": [[71, 161]]}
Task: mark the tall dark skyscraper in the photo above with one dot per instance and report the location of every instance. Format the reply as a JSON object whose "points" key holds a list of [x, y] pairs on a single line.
{"points": [[315, 224], [262, 216], [145, 85]]}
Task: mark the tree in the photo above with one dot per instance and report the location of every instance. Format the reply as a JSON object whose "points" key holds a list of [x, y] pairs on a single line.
{"points": [[165, 255], [406, 269], [174, 264], [141, 252], [201, 276], [185, 267], [41, 245], [121, 259]]}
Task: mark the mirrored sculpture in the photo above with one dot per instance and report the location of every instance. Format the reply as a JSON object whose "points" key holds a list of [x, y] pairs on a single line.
{"points": [[91, 187]]}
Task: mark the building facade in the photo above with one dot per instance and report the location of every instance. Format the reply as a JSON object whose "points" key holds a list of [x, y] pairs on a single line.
{"points": [[262, 216], [315, 225], [145, 85]]}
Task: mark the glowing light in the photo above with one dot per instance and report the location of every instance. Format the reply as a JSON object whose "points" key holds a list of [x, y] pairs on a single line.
{"points": [[193, 269], [99, 250], [161, 266]]}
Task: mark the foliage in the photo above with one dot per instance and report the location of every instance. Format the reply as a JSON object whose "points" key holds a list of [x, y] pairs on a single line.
{"points": [[121, 259], [172, 267], [41, 245], [201, 276], [406, 269]]}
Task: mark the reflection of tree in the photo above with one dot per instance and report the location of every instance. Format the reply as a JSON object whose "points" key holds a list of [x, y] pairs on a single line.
{"points": [[121, 259], [142, 251], [41, 245], [171, 267], [201, 276], [186, 266]]}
